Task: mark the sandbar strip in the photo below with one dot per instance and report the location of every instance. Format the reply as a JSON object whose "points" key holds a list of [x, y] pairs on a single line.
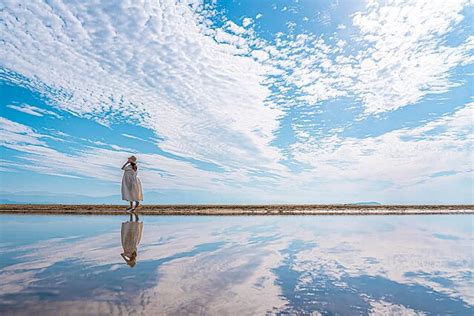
{"points": [[328, 209]]}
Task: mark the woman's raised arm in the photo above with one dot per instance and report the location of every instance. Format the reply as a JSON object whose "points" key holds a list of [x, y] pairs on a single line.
{"points": [[125, 164]]}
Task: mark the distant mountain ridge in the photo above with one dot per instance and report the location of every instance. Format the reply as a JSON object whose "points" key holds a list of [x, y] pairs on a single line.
{"points": [[39, 197], [366, 203], [151, 197]]}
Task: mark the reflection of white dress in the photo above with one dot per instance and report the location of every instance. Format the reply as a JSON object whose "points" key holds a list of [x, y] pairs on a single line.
{"points": [[131, 185], [131, 235]]}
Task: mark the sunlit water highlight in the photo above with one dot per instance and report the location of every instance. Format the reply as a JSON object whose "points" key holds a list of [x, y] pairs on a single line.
{"points": [[349, 265]]}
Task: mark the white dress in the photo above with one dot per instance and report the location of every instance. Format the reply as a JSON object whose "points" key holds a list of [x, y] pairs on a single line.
{"points": [[131, 185], [131, 234]]}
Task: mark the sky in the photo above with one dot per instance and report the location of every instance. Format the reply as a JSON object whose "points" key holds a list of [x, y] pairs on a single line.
{"points": [[240, 101]]}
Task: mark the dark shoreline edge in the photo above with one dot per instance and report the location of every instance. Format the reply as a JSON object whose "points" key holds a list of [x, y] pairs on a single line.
{"points": [[242, 210]]}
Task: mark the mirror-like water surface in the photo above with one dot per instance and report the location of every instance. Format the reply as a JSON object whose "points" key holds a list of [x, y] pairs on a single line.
{"points": [[238, 265]]}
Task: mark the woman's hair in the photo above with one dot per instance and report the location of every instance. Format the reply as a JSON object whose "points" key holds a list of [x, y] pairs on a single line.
{"points": [[134, 166]]}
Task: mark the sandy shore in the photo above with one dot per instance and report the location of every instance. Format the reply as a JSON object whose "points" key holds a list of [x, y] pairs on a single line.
{"points": [[335, 209]]}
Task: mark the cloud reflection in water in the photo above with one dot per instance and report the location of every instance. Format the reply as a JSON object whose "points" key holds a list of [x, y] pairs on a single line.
{"points": [[243, 265]]}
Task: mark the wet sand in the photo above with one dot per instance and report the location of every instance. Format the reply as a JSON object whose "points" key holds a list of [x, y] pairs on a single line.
{"points": [[328, 209]]}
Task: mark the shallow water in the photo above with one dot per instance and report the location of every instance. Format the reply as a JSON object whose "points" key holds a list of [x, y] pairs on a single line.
{"points": [[349, 265]]}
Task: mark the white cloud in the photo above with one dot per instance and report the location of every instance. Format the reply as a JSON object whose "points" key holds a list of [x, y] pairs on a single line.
{"points": [[234, 28], [404, 157], [247, 22], [405, 54], [32, 110], [396, 41], [386, 308], [131, 136], [398, 57], [159, 65], [15, 133], [103, 164], [260, 55]]}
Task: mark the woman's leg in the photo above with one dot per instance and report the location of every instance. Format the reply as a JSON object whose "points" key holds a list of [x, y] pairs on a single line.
{"points": [[134, 204]]}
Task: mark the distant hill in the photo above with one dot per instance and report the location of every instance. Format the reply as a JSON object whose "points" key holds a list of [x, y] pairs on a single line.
{"points": [[366, 203], [167, 197], [4, 201], [37, 197]]}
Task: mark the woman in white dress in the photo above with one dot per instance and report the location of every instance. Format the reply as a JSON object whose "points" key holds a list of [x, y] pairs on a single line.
{"points": [[131, 233], [131, 185]]}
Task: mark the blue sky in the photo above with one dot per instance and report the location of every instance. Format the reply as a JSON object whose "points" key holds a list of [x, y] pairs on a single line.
{"points": [[240, 101]]}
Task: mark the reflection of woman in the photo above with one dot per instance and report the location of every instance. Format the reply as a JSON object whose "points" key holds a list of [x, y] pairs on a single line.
{"points": [[131, 185], [131, 235]]}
